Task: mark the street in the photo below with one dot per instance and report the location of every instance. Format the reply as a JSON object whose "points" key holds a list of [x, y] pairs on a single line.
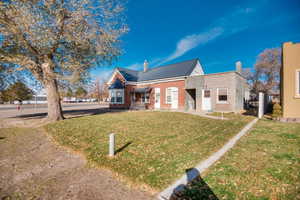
{"points": [[7, 111]]}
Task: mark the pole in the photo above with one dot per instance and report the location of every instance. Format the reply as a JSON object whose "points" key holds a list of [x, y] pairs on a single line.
{"points": [[261, 105], [111, 144]]}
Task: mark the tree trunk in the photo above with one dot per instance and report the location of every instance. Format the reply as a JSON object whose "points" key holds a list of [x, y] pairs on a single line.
{"points": [[54, 105]]}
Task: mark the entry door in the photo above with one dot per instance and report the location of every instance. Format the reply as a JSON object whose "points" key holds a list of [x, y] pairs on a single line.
{"points": [[206, 100], [157, 98], [174, 98]]}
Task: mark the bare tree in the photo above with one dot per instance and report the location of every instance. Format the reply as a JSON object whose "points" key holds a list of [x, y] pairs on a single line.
{"points": [[99, 89], [59, 40], [266, 74]]}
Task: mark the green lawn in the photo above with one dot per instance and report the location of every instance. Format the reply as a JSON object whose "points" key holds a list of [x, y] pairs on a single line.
{"points": [[265, 164], [159, 146]]}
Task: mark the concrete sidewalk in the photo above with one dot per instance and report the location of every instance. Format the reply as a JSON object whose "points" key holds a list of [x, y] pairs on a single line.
{"points": [[201, 167]]}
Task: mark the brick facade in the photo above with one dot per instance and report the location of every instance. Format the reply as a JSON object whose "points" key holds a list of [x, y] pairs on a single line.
{"points": [[180, 84]]}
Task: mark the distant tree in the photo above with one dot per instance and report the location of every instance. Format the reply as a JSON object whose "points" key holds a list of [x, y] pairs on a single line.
{"points": [[80, 92], [59, 40], [99, 89], [69, 93], [266, 75], [17, 92]]}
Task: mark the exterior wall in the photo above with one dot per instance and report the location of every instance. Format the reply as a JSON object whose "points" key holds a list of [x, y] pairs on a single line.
{"points": [[197, 83], [235, 84], [241, 88], [222, 80], [180, 84], [290, 63]]}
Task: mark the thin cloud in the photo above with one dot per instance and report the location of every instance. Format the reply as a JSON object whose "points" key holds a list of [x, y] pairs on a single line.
{"points": [[237, 21], [135, 66], [192, 41]]}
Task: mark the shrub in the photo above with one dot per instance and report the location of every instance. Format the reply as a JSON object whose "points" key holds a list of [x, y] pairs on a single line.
{"points": [[276, 111]]}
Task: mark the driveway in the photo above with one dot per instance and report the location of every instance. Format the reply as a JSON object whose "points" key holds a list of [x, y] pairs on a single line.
{"points": [[33, 167]]}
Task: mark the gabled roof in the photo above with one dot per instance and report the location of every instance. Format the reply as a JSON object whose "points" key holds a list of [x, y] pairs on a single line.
{"points": [[167, 71], [116, 85]]}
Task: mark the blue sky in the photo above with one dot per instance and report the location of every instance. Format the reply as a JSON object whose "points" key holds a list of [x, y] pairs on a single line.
{"points": [[219, 33]]}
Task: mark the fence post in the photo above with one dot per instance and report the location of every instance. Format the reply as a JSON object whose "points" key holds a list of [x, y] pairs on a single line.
{"points": [[261, 105], [111, 144]]}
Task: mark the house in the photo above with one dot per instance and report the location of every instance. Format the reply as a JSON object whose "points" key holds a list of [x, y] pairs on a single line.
{"points": [[290, 80], [179, 86]]}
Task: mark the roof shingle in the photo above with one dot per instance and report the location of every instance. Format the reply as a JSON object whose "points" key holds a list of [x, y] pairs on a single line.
{"points": [[167, 71]]}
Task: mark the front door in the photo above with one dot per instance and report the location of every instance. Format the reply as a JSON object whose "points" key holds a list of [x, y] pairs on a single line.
{"points": [[157, 98], [206, 99], [174, 98]]}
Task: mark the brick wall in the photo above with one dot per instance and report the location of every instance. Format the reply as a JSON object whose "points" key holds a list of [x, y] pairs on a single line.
{"points": [[180, 84]]}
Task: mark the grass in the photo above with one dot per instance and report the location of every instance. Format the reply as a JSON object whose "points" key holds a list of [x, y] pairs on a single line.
{"points": [[159, 146], [265, 164]]}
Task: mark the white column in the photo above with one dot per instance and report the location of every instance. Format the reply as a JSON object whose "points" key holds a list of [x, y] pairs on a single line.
{"points": [[261, 105], [111, 144]]}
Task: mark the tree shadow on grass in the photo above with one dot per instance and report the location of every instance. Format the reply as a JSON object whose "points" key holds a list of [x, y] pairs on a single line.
{"points": [[196, 189], [71, 113]]}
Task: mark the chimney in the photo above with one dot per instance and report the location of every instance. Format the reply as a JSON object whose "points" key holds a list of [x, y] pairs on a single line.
{"points": [[146, 65], [238, 67]]}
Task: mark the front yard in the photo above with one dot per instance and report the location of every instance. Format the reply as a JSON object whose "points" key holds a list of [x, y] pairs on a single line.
{"points": [[153, 148], [265, 164]]}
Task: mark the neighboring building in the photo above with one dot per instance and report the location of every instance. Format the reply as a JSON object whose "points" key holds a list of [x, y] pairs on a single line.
{"points": [[290, 80], [78, 100], [182, 86], [36, 99]]}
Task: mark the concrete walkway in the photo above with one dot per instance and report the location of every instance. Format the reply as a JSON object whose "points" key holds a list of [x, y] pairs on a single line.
{"points": [[201, 167], [203, 114]]}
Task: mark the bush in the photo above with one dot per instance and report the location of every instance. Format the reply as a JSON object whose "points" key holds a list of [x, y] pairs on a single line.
{"points": [[276, 111]]}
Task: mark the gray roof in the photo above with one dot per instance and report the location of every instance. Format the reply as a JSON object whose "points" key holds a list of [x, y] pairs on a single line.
{"points": [[117, 85], [167, 71]]}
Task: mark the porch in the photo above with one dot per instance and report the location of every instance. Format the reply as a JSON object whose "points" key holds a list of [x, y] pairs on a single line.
{"points": [[140, 98]]}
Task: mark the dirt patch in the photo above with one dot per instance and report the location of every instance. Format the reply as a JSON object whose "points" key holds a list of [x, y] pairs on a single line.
{"points": [[32, 167]]}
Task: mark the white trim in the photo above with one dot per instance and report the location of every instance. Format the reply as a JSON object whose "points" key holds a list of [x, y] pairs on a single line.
{"points": [[222, 102], [115, 92], [297, 82], [157, 104], [172, 90], [113, 75], [202, 99], [180, 78], [166, 95], [198, 70]]}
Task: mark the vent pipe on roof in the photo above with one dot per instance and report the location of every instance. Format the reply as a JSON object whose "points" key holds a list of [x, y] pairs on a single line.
{"points": [[238, 67], [146, 65]]}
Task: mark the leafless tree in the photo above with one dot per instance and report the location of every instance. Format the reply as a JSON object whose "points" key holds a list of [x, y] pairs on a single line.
{"points": [[266, 74], [99, 89], [59, 40]]}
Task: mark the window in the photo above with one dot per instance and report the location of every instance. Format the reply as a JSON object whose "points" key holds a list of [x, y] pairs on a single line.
{"points": [[119, 96], [168, 95], [222, 95], [145, 97], [171, 95], [207, 93], [116, 96], [298, 83]]}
